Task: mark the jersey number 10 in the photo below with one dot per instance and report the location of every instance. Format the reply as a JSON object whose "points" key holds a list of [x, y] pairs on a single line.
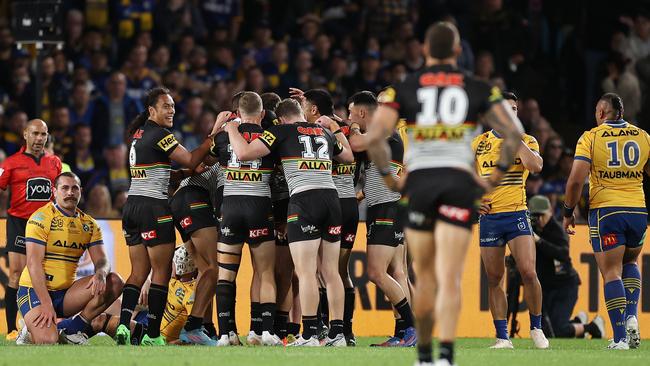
{"points": [[630, 154], [449, 108]]}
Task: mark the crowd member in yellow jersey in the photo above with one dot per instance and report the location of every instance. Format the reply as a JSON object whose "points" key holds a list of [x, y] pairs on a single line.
{"points": [[504, 220], [56, 236], [614, 156], [180, 298]]}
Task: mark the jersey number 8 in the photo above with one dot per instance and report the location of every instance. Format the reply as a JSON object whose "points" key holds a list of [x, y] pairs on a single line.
{"points": [[449, 108], [630, 154]]}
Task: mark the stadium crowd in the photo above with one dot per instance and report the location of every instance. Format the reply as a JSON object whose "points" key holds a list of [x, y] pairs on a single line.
{"points": [[206, 51]]}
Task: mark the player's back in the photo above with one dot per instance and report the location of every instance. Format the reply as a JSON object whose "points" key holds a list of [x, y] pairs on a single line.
{"points": [[618, 152], [441, 106]]}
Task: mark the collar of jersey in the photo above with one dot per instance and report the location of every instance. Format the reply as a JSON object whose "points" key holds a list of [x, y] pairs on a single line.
{"points": [[496, 134], [65, 213], [617, 123]]}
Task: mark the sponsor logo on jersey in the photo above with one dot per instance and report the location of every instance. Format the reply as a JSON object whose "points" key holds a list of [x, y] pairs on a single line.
{"points": [[454, 213], [483, 148], [149, 235], [312, 131], [250, 136], [56, 224], [268, 137], [85, 227], [167, 142], [619, 174], [180, 292], [256, 233], [1, 171], [138, 173], [72, 245], [314, 165], [441, 79], [246, 176], [138, 134], [620, 132], [38, 189], [344, 169], [186, 221], [334, 230], [439, 132], [32, 222]]}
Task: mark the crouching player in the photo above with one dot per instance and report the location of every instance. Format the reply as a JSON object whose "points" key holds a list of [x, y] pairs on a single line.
{"points": [[56, 236]]}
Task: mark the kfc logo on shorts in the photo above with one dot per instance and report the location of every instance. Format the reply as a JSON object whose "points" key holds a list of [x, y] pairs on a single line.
{"points": [[334, 230], [148, 235], [185, 222], [350, 238], [609, 240], [256, 233], [454, 213]]}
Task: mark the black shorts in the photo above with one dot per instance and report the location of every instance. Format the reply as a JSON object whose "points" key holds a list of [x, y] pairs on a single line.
{"points": [[385, 224], [314, 214], [219, 198], [349, 221], [16, 234], [192, 210], [446, 194], [246, 219], [280, 208], [147, 221]]}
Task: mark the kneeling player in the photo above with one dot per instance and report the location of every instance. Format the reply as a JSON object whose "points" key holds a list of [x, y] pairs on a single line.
{"points": [[56, 236]]}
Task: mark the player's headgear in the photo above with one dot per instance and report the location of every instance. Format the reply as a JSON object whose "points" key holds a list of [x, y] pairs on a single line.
{"points": [[183, 262]]}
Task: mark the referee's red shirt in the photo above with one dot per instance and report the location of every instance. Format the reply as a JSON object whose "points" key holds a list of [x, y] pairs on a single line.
{"points": [[30, 179]]}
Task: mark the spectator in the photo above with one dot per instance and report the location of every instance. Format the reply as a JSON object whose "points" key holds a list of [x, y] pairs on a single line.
{"points": [[189, 119], [534, 122], [174, 17], [321, 55], [278, 65], [551, 154], [368, 76], [116, 174], [639, 40], [484, 68], [414, 59], [138, 76], [555, 186], [82, 161], [119, 200], [219, 14], [556, 274], [218, 97], [262, 44], [301, 75], [255, 80], [99, 203], [198, 77], [160, 59], [60, 131], [82, 108], [202, 127], [624, 83], [99, 71], [74, 26], [12, 133], [113, 113]]}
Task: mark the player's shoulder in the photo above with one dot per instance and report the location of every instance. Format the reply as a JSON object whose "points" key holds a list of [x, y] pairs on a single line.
{"points": [[43, 214], [487, 135], [529, 138]]}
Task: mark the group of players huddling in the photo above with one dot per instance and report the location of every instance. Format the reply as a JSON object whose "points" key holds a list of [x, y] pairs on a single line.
{"points": [[281, 176]]}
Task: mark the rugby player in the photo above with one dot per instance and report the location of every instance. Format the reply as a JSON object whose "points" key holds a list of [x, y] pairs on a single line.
{"points": [[56, 236], [614, 156], [306, 151], [504, 219], [441, 106], [147, 220], [385, 228], [29, 174]]}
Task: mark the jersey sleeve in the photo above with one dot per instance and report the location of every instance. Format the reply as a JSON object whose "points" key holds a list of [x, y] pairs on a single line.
{"points": [[532, 143], [584, 147], [96, 237], [391, 97], [493, 96], [165, 141], [214, 148], [272, 137], [337, 148], [5, 174], [38, 228], [475, 142]]}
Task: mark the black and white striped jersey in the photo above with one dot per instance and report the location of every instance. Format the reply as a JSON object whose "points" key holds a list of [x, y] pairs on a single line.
{"points": [[243, 178], [149, 161], [441, 105], [210, 180], [374, 188], [306, 151], [343, 173]]}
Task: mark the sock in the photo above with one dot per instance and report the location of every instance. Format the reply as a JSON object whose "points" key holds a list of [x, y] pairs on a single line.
{"points": [[73, 325], [233, 324], [280, 323], [399, 328], [348, 310], [12, 308], [425, 353], [193, 323], [447, 351], [535, 321], [336, 328], [138, 332], [225, 306], [130, 297], [210, 330], [309, 326], [293, 328], [616, 304], [157, 302], [404, 310], [592, 329], [501, 327], [323, 306], [256, 318], [268, 315], [632, 283]]}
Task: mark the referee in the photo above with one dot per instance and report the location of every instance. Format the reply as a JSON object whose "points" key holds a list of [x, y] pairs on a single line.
{"points": [[29, 173], [147, 221]]}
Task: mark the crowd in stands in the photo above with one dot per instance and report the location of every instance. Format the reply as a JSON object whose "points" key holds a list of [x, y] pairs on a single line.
{"points": [[558, 57]]}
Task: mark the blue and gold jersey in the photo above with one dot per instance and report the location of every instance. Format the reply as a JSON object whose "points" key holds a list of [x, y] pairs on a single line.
{"points": [[65, 238], [510, 195], [180, 299], [617, 152]]}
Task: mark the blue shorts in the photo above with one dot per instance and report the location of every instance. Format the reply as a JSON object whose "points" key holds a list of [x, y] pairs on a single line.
{"points": [[610, 227], [27, 300], [495, 230]]}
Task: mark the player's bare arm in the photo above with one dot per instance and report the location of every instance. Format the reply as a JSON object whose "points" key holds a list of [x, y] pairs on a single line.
{"points": [[102, 268], [346, 155], [530, 159], [245, 151], [384, 122], [502, 119], [579, 172]]}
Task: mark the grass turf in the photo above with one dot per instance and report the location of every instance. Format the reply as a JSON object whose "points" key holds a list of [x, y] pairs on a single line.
{"points": [[469, 351]]}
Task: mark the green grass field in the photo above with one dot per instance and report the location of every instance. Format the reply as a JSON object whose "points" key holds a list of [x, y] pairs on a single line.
{"points": [[469, 351]]}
